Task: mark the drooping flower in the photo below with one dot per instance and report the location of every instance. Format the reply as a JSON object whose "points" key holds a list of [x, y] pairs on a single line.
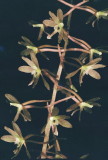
{"points": [[30, 47], [34, 69], [16, 138], [56, 120], [40, 25], [88, 69], [56, 22], [84, 106], [97, 16], [21, 110]]}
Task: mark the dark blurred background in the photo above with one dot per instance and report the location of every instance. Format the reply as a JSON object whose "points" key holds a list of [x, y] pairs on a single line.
{"points": [[88, 136]]}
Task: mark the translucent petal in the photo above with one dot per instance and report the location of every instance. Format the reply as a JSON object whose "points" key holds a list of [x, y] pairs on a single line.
{"points": [[94, 74], [49, 23], [34, 59], [55, 131], [72, 107], [94, 61], [11, 98], [40, 33], [8, 138], [60, 36], [17, 129], [27, 40], [98, 66], [45, 83], [35, 81], [62, 117], [17, 115], [89, 110], [65, 123], [26, 114], [55, 112], [90, 19], [72, 74], [16, 152], [60, 15], [81, 77], [27, 152], [26, 52], [28, 61], [43, 128], [54, 17], [94, 99], [25, 69], [13, 133]]}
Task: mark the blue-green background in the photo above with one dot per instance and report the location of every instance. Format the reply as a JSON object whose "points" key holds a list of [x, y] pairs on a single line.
{"points": [[88, 136]]}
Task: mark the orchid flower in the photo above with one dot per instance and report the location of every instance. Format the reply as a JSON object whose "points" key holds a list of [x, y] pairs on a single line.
{"points": [[20, 108], [34, 69], [16, 138], [85, 105], [40, 25], [97, 16], [56, 22], [56, 120], [88, 69]]}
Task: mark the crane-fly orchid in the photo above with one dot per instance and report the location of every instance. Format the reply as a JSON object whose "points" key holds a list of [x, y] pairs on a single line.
{"points": [[21, 109], [56, 120], [88, 69], [16, 138], [34, 69], [40, 25], [87, 106], [97, 16], [56, 22], [32, 48]]}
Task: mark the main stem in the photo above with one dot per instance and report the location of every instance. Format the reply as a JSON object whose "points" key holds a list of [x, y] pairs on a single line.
{"points": [[48, 127]]}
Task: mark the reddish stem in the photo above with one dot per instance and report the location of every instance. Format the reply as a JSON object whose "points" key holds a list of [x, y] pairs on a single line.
{"points": [[75, 6], [81, 8]]}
